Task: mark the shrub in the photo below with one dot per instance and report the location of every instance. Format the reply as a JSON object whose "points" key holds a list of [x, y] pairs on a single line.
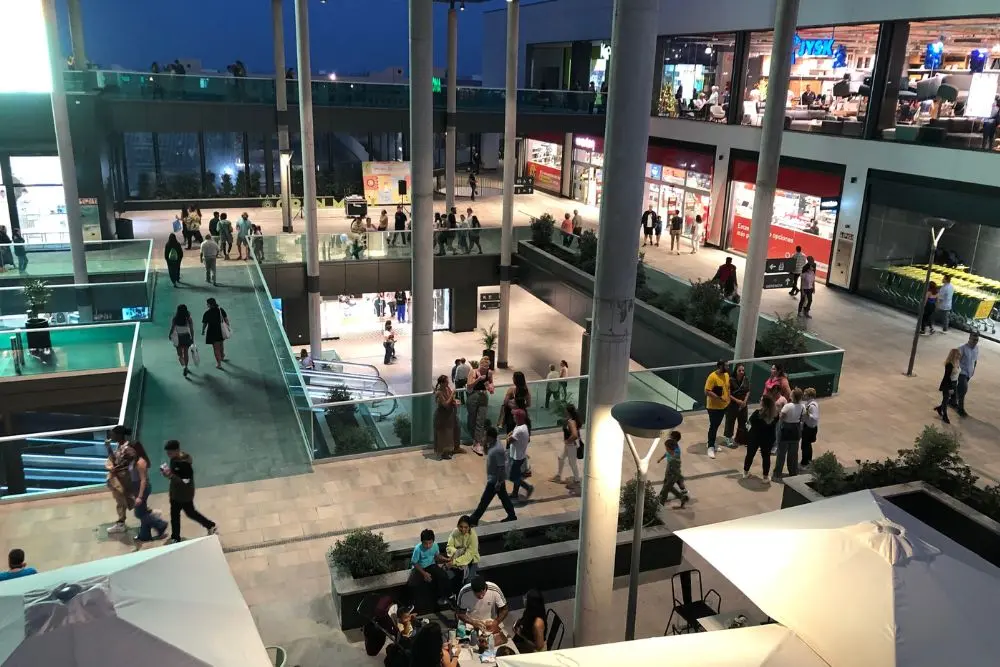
{"points": [[403, 429], [787, 336], [542, 228], [588, 252], [829, 477], [561, 533], [353, 439], [341, 414], [651, 506], [514, 540], [362, 553]]}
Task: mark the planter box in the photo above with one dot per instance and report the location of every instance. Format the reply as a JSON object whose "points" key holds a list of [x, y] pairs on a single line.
{"points": [[972, 529], [547, 566]]}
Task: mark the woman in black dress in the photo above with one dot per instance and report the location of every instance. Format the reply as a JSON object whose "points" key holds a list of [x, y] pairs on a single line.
{"points": [[182, 335], [215, 328], [173, 253]]}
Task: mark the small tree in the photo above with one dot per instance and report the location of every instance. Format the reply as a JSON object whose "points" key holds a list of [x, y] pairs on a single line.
{"points": [[650, 511], [489, 337], [208, 187], [668, 103], [242, 186], [541, 231], [227, 185], [787, 336], [588, 252], [253, 185]]}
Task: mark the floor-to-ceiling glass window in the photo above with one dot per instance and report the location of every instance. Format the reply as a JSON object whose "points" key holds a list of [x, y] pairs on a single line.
{"points": [[180, 164], [697, 76], [223, 161], [140, 162], [41, 202]]}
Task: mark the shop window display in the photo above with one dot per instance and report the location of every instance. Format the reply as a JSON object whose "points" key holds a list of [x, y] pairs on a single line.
{"points": [[830, 80], [544, 164], [697, 76], [945, 90]]}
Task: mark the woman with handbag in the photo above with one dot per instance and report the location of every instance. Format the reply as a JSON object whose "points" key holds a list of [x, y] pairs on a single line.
{"points": [[949, 382], [789, 434], [216, 329], [572, 449], [182, 336], [480, 386]]}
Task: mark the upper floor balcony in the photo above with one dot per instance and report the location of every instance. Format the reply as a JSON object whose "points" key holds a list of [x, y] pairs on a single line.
{"points": [[144, 86]]}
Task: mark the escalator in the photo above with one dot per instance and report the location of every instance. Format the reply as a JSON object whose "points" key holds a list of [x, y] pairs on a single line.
{"points": [[57, 463], [357, 382]]}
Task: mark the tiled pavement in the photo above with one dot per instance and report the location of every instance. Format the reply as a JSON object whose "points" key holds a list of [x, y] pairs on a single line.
{"points": [[287, 586]]}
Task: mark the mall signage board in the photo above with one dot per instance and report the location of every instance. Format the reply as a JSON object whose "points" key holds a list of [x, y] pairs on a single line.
{"points": [[524, 185], [489, 301], [779, 265], [778, 281]]}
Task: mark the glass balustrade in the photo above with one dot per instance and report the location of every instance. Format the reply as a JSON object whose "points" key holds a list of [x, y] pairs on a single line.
{"points": [[290, 248], [51, 350], [261, 90]]}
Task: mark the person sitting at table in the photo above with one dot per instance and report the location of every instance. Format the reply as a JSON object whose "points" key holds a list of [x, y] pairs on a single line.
{"points": [[530, 629], [429, 648], [427, 561], [463, 550], [481, 604]]}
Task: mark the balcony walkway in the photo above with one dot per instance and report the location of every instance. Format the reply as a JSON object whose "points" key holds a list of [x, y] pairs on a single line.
{"points": [[237, 423]]}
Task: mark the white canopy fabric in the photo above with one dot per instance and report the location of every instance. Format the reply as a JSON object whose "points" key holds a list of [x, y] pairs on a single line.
{"points": [[172, 606], [861, 582], [755, 646]]}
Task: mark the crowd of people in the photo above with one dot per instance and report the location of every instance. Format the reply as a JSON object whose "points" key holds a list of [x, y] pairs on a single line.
{"points": [[218, 241]]}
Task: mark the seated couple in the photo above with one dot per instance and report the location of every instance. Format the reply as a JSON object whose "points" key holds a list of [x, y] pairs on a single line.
{"points": [[436, 570], [482, 604]]}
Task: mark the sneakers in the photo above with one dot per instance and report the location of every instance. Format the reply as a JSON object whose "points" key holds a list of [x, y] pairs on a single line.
{"points": [[711, 452], [746, 474], [116, 528], [214, 530], [556, 479], [684, 499], [766, 479]]}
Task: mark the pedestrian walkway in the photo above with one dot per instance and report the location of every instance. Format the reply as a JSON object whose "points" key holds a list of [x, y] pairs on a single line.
{"points": [[237, 422]]}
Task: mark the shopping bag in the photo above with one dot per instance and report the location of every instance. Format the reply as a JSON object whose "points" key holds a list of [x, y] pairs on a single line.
{"points": [[227, 331], [177, 225], [195, 355]]}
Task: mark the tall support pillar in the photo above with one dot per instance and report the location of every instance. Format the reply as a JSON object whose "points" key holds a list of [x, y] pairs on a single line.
{"points": [[67, 164], [422, 198], [281, 99], [633, 46], [509, 171], [76, 35], [787, 12], [309, 211], [450, 139]]}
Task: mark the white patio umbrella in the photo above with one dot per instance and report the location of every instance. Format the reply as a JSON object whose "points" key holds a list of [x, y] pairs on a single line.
{"points": [[755, 646], [861, 582], [172, 606]]}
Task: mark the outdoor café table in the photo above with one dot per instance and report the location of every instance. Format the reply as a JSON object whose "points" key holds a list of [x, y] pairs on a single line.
{"points": [[719, 621]]}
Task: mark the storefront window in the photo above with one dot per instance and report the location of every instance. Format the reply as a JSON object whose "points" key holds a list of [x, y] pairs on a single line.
{"points": [[944, 90], [830, 79], [544, 164], [697, 76], [41, 201]]}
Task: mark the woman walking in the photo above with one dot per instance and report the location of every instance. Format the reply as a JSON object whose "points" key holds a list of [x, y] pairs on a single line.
{"points": [[388, 342], [949, 382], [173, 253], [480, 386], [760, 437], [215, 327], [736, 412], [518, 396], [572, 449], [807, 287], [182, 336], [151, 527], [446, 430], [930, 304], [789, 434]]}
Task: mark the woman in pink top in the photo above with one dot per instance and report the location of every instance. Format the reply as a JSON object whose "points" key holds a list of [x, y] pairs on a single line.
{"points": [[567, 230], [780, 380]]}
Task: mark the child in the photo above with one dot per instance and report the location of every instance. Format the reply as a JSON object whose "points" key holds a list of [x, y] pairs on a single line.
{"points": [[673, 480], [810, 425]]}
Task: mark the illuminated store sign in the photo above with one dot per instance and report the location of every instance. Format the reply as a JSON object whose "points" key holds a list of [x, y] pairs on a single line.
{"points": [[585, 143], [812, 48]]}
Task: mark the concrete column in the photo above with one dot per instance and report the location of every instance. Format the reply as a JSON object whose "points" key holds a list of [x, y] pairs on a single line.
{"points": [[422, 197], [309, 211], [509, 172], [67, 163], [626, 137], [76, 35], [450, 138], [786, 14], [281, 100]]}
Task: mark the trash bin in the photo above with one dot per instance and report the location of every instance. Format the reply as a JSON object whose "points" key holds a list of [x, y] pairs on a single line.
{"points": [[123, 229]]}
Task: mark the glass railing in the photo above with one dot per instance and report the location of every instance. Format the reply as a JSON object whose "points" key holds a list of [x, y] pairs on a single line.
{"points": [[351, 428], [106, 260], [261, 90], [291, 248], [73, 458], [51, 350], [289, 367]]}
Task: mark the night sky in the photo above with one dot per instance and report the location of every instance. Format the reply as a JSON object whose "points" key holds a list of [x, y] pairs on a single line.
{"points": [[348, 36]]}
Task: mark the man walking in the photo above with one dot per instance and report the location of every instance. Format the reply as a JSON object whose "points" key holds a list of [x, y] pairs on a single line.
{"points": [[676, 227], [967, 368], [209, 255], [226, 234], [716, 401], [180, 472], [242, 236], [946, 294], [799, 261], [496, 479]]}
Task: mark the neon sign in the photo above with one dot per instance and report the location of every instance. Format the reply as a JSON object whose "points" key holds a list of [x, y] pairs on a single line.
{"points": [[586, 143], [812, 48]]}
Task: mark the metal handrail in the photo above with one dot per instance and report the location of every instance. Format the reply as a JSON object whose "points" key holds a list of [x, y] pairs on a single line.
{"points": [[371, 379], [354, 364]]}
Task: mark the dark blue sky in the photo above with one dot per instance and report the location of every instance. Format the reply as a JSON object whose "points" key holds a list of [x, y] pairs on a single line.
{"points": [[348, 36]]}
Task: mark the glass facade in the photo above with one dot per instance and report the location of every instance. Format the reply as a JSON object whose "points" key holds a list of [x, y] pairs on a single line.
{"points": [[40, 200], [830, 83], [943, 89], [697, 76], [140, 161], [223, 161]]}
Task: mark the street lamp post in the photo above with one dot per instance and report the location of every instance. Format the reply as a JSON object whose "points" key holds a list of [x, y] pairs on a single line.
{"points": [[936, 226], [647, 420]]}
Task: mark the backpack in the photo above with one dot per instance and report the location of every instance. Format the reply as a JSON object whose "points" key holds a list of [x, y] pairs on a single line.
{"points": [[172, 255]]}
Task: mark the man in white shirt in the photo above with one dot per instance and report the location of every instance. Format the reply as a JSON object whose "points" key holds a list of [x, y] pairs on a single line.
{"points": [[967, 363], [798, 264], [209, 255], [552, 386], [461, 377], [944, 299], [482, 604], [518, 440]]}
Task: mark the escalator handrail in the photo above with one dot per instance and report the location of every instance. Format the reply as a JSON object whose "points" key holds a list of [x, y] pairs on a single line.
{"points": [[347, 377], [352, 364]]}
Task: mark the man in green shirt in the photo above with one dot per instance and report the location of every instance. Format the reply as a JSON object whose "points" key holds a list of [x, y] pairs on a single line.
{"points": [[225, 234]]}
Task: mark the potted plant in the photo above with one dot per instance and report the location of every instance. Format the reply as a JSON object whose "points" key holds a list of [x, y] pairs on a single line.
{"points": [[361, 553], [489, 338], [402, 427], [36, 296], [541, 230]]}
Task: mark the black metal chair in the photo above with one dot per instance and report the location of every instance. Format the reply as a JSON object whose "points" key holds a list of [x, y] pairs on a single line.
{"points": [[689, 607], [556, 630]]}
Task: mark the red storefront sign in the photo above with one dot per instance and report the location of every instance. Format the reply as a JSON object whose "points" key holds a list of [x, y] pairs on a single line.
{"points": [[666, 156], [546, 178]]}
